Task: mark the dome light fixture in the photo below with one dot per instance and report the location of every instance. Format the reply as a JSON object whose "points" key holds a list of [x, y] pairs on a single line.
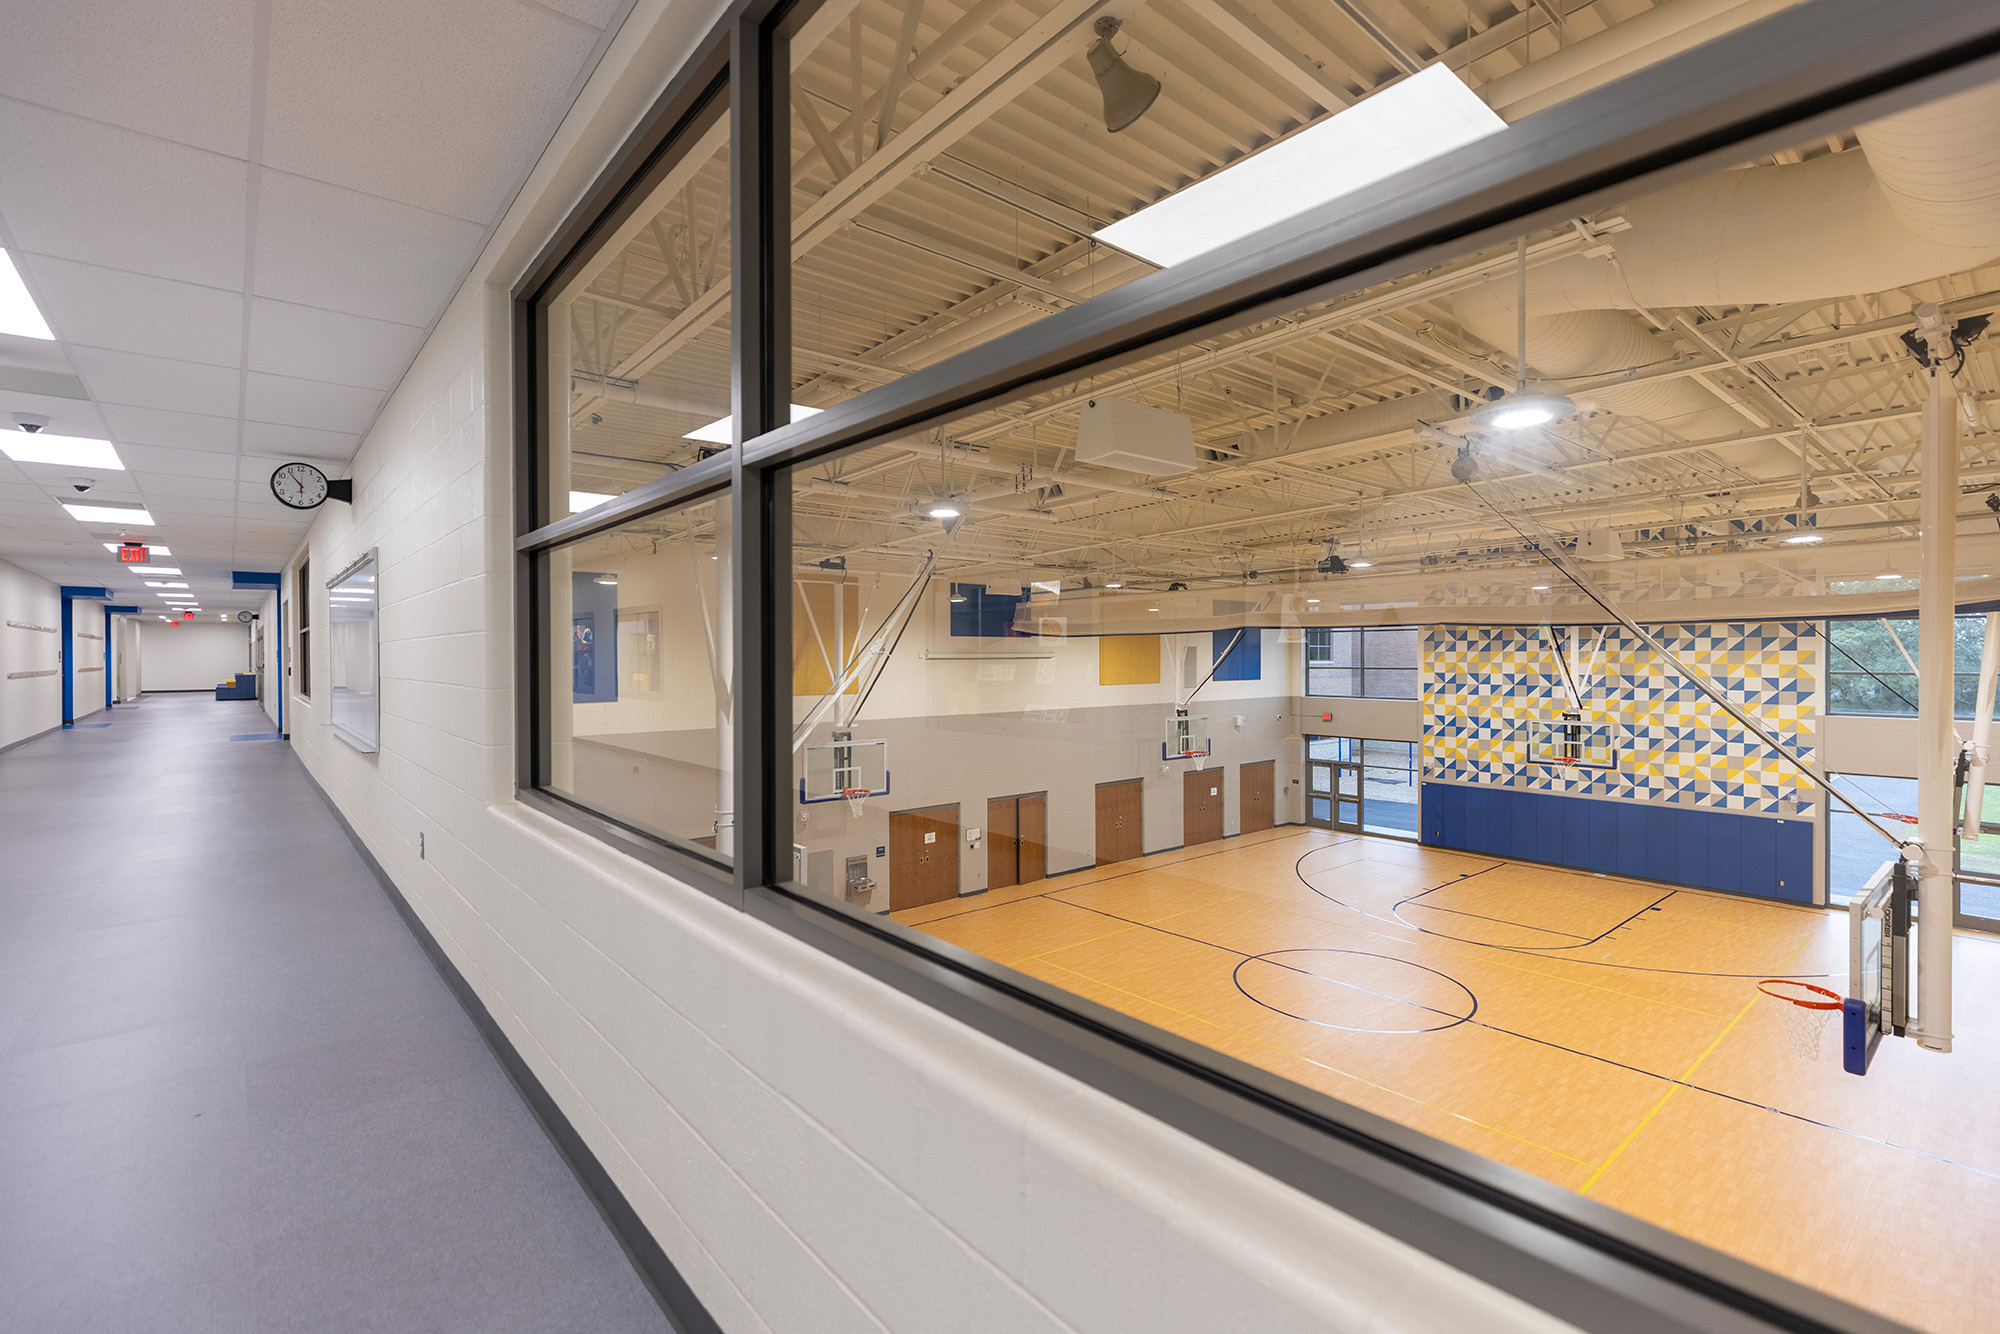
{"points": [[608, 580], [1113, 583], [1891, 574], [1803, 539], [943, 510], [957, 596], [1361, 565], [1539, 588]]}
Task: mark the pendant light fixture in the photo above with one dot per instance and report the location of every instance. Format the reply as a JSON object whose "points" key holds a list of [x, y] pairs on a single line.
{"points": [[1522, 408], [1127, 92]]}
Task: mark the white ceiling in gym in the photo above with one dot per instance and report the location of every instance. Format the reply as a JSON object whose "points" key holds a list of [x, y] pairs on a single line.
{"points": [[240, 219]]}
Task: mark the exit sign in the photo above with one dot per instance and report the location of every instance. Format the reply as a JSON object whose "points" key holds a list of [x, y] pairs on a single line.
{"points": [[132, 554]]}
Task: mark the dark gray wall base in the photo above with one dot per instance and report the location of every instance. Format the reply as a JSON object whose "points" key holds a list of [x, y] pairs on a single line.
{"points": [[15, 745], [677, 1300]]}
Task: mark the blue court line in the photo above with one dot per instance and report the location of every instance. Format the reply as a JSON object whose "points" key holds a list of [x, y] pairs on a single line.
{"points": [[246, 736]]}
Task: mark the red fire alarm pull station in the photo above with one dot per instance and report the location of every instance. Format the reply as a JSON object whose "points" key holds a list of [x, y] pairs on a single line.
{"points": [[131, 553]]}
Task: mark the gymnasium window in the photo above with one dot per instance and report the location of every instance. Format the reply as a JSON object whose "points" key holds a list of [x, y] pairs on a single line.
{"points": [[1372, 662], [989, 711], [1868, 672]]}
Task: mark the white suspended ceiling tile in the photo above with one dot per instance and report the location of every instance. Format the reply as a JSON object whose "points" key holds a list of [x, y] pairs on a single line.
{"points": [[157, 382], [147, 460], [160, 487], [307, 342], [180, 70], [320, 245], [441, 104], [171, 508], [294, 442], [135, 312], [78, 189], [173, 430], [290, 402]]}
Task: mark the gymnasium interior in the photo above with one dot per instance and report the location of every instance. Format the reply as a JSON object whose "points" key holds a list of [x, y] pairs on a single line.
{"points": [[1509, 778]]}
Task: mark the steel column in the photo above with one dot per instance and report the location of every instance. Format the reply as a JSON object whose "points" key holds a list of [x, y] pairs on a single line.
{"points": [[1937, 614]]}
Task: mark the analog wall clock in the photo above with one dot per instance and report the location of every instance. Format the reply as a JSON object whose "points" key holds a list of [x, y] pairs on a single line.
{"points": [[301, 486]]}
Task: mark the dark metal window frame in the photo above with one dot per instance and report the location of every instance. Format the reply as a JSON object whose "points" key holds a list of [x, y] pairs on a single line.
{"points": [[1803, 72]]}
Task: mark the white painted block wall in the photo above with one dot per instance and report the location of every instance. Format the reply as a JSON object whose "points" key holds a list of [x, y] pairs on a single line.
{"points": [[30, 642], [192, 655], [817, 1152]]}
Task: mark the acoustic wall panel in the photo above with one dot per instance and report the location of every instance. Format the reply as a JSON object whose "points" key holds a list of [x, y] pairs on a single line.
{"points": [[1128, 660]]}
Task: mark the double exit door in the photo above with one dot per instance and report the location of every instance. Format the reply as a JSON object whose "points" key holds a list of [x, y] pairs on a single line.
{"points": [[1333, 795]]}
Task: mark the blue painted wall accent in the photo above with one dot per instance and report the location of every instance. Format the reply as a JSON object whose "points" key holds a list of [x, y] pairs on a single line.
{"points": [[1246, 662], [983, 614], [594, 639], [1744, 854]]}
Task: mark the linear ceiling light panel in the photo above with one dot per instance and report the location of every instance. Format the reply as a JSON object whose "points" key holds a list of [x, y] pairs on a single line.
{"points": [[1426, 115], [18, 313], [722, 430], [106, 514], [68, 450]]}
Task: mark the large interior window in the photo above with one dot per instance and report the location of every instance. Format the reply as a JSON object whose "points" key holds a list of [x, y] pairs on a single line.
{"points": [[1056, 628]]}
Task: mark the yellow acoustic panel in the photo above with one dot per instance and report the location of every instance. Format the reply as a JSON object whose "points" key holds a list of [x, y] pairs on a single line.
{"points": [[1128, 660], [816, 657]]}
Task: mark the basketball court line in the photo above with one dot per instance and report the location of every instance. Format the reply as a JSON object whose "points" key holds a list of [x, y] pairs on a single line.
{"points": [[1675, 1084]]}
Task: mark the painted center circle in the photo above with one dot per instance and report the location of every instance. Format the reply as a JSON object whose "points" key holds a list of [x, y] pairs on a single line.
{"points": [[1356, 991]]}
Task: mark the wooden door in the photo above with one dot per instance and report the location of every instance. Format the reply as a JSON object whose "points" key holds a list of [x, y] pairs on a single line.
{"points": [[923, 856], [1201, 806], [1254, 796], [1032, 827], [1003, 842], [1016, 840], [1120, 834]]}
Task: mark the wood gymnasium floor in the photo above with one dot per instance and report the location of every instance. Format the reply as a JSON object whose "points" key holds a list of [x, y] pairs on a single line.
{"points": [[1604, 1034]]}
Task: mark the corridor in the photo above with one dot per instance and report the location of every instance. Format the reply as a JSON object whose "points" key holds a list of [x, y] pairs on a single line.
{"points": [[238, 1097]]}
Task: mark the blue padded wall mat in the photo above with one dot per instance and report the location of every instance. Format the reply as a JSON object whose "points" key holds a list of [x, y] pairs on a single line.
{"points": [[1771, 858]]}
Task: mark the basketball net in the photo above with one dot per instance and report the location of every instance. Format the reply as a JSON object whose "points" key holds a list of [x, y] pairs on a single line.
{"points": [[1807, 1010], [857, 797]]}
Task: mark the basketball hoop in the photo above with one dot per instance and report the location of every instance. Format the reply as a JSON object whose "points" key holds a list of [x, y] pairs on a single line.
{"points": [[857, 797], [1806, 1013]]}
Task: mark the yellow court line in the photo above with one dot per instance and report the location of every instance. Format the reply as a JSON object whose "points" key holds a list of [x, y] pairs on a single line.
{"points": [[1332, 1069], [1686, 1075]]}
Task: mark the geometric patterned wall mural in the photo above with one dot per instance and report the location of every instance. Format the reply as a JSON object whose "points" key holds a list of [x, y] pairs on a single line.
{"points": [[1482, 685]]}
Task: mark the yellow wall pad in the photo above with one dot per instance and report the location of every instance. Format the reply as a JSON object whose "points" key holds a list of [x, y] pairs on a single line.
{"points": [[1128, 660]]}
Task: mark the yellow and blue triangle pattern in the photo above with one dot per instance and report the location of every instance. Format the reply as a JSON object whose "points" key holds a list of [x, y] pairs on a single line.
{"points": [[1482, 685]]}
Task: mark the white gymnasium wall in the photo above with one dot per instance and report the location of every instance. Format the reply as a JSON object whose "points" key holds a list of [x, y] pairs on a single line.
{"points": [[814, 1150], [192, 655], [30, 644]]}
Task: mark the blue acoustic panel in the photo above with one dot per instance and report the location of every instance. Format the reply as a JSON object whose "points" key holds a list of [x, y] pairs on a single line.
{"points": [[1726, 850], [1245, 662]]}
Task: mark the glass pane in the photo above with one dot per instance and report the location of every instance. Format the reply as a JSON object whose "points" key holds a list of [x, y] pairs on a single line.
{"points": [[1322, 778], [1327, 747], [1021, 622], [354, 656], [639, 638], [1390, 683], [638, 340], [1333, 682], [1853, 850]]}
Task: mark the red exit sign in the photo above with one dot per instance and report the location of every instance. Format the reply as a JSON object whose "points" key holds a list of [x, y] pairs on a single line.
{"points": [[132, 555]]}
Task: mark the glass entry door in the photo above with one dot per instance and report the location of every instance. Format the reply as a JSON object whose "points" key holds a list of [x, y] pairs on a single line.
{"points": [[1333, 795]]}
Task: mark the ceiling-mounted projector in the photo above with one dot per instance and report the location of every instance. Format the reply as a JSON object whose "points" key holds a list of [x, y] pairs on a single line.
{"points": [[1118, 433]]}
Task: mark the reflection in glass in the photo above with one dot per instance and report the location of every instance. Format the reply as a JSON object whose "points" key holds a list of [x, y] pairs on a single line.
{"points": [[639, 641], [355, 656]]}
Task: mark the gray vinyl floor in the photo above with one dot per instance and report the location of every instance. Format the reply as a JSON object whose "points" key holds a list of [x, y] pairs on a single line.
{"points": [[234, 1094]]}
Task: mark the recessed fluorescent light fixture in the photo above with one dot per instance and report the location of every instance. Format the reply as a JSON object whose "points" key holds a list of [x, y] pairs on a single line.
{"points": [[106, 514], [151, 584], [18, 313], [154, 547], [1425, 116], [579, 501], [163, 572], [69, 451], [722, 432]]}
